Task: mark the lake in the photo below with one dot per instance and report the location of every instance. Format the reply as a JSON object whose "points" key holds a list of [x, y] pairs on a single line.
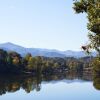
{"points": [[66, 86]]}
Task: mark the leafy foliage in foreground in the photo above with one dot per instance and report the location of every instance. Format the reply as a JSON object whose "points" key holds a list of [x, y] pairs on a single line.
{"points": [[92, 9]]}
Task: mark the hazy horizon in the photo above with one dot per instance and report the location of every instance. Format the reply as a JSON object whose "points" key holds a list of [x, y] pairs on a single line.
{"points": [[39, 48], [50, 24]]}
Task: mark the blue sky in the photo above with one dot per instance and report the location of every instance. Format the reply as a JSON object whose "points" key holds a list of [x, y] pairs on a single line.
{"points": [[50, 24]]}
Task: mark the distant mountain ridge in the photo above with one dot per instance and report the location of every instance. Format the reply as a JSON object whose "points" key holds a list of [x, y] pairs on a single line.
{"points": [[42, 52]]}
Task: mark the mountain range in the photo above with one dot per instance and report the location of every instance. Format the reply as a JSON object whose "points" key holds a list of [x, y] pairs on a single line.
{"points": [[42, 52]]}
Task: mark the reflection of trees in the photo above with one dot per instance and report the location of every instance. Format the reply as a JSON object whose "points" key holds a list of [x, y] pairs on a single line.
{"points": [[96, 82], [11, 83], [96, 72], [14, 86], [96, 66], [31, 83]]}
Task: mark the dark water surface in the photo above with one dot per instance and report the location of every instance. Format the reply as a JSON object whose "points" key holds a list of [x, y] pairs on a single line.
{"points": [[66, 86]]}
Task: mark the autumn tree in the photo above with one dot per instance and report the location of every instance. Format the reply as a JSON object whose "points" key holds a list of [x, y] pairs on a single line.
{"points": [[27, 57], [92, 9], [16, 58], [31, 63]]}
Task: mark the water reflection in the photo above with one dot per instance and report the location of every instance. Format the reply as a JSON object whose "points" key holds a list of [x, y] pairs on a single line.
{"points": [[13, 83], [96, 82]]}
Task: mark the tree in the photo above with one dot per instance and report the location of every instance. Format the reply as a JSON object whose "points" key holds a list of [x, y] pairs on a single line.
{"points": [[3, 62], [31, 64], [3, 56], [56, 65], [9, 60], [92, 9], [14, 59], [27, 57]]}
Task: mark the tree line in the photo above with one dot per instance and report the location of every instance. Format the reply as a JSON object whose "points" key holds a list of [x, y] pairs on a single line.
{"points": [[13, 62]]}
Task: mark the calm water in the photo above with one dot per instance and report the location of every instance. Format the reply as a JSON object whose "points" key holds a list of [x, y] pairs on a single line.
{"points": [[53, 87]]}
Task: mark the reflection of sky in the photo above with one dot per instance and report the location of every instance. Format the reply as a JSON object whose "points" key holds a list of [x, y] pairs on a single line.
{"points": [[58, 91]]}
